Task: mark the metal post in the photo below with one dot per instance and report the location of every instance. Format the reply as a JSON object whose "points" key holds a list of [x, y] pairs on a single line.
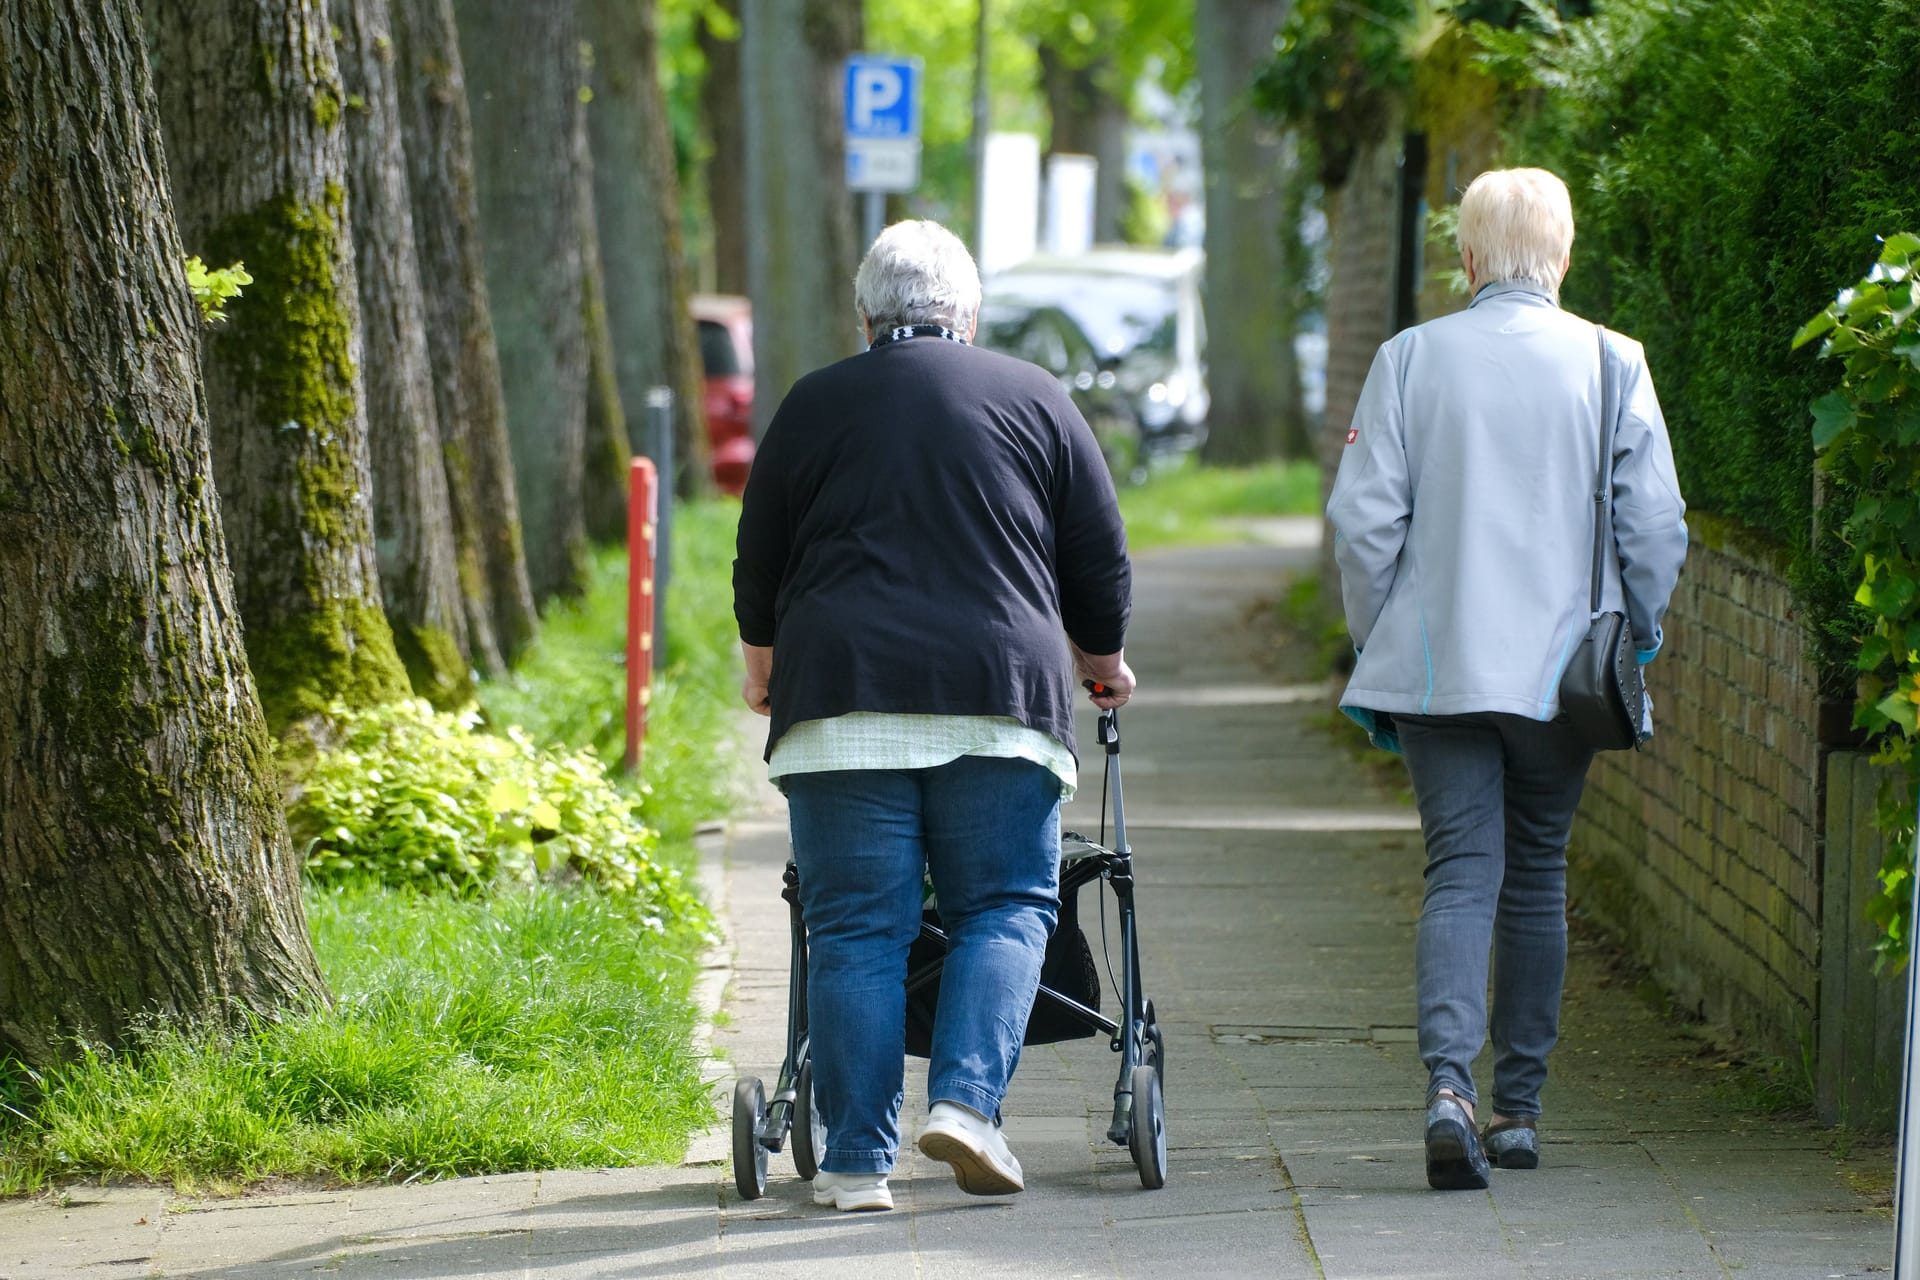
{"points": [[642, 516], [874, 209], [1906, 1200], [660, 449]]}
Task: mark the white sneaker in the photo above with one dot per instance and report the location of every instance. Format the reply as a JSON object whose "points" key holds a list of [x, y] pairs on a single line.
{"points": [[982, 1164], [852, 1192]]}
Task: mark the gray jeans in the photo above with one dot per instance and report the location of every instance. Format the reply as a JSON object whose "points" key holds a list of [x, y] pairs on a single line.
{"points": [[1497, 795]]}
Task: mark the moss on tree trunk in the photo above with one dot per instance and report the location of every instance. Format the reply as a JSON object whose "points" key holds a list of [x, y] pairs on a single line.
{"points": [[250, 98]]}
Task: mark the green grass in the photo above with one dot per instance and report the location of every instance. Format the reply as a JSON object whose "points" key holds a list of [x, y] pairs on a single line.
{"points": [[535, 1027], [1194, 505]]}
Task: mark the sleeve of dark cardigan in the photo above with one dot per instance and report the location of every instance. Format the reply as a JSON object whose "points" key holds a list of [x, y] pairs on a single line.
{"points": [[1090, 542], [760, 545]]}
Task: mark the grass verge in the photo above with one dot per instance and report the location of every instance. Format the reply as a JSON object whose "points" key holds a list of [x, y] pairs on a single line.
{"points": [[1192, 505], [533, 1027]]}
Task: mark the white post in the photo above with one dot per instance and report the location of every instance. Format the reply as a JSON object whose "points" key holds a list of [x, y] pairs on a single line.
{"points": [[1906, 1201]]}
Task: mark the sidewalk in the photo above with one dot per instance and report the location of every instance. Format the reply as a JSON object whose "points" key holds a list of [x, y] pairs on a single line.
{"points": [[1279, 884]]}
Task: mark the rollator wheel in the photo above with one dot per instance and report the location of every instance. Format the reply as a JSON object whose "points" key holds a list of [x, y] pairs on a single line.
{"points": [[1156, 1044], [749, 1157], [809, 1131], [1148, 1140]]}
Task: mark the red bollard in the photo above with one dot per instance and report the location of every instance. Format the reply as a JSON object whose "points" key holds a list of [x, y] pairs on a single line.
{"points": [[643, 514]]}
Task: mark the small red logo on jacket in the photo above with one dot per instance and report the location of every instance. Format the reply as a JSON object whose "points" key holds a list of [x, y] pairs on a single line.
{"points": [[1353, 433]]}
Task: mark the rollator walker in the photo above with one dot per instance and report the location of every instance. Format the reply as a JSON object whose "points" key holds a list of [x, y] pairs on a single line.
{"points": [[1064, 1008]]}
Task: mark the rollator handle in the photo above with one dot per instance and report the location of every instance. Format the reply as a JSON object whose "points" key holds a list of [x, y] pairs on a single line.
{"points": [[1108, 732]]}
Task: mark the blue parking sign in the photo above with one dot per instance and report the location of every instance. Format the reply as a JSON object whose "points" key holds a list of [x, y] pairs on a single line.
{"points": [[883, 97]]}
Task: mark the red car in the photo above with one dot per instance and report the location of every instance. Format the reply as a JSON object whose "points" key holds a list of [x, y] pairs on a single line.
{"points": [[725, 322]]}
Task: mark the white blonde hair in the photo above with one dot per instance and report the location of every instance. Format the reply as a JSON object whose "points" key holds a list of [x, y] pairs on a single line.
{"points": [[917, 273], [1519, 225]]}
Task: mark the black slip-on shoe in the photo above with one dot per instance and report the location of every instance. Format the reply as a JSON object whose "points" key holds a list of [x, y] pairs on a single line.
{"points": [[1513, 1144], [1455, 1161]]}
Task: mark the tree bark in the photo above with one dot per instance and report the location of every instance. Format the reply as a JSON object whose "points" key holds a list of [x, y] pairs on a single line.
{"points": [[250, 98], [1362, 222], [637, 205], [1089, 119], [413, 527], [1253, 375], [604, 477], [145, 868], [724, 106], [469, 405], [523, 90], [802, 249]]}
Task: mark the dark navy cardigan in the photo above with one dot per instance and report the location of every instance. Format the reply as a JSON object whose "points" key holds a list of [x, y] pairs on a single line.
{"points": [[924, 524]]}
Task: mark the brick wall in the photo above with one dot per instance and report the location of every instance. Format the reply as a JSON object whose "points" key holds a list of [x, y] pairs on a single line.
{"points": [[1703, 851]]}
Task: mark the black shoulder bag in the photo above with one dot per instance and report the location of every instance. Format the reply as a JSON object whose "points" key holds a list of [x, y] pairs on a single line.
{"points": [[1602, 693]]}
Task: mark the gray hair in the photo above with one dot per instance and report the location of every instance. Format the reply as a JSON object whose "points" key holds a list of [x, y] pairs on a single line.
{"points": [[1519, 224], [917, 273]]}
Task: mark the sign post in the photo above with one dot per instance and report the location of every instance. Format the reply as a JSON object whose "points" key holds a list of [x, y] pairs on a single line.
{"points": [[883, 132]]}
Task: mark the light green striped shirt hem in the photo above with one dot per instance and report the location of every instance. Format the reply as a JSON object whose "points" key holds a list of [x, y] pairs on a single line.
{"points": [[880, 740]]}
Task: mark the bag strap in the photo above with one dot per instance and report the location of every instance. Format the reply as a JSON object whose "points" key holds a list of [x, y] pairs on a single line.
{"points": [[1603, 478]]}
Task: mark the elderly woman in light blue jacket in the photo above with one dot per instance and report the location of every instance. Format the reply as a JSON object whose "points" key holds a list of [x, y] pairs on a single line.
{"points": [[1463, 526]]}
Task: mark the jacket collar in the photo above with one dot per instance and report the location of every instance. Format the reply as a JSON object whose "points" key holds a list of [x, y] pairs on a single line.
{"points": [[1519, 290]]}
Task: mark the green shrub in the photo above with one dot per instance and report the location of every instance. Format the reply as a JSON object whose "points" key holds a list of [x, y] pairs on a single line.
{"points": [[1728, 163], [410, 796], [1868, 434]]}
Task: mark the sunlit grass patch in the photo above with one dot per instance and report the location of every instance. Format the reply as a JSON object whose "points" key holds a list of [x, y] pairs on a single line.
{"points": [[1194, 505], [539, 1028]]}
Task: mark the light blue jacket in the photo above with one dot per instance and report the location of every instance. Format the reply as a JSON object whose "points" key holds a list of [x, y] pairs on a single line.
{"points": [[1463, 509]]}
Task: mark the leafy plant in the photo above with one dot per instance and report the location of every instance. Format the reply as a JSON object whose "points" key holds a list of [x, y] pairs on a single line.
{"points": [[417, 797], [214, 287], [1867, 432]]}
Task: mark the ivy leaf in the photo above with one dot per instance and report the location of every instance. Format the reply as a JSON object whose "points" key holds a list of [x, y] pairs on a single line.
{"points": [[545, 815], [1900, 247], [1813, 328], [1900, 709], [1874, 650], [1833, 414]]}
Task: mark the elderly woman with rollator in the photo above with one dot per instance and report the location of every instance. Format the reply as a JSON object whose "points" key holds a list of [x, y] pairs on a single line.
{"points": [[929, 553], [1471, 517]]}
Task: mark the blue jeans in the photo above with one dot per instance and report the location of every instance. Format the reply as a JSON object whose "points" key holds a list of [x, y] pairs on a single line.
{"points": [[1497, 795], [988, 830]]}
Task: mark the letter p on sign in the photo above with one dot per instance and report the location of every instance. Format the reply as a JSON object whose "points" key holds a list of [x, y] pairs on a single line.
{"points": [[875, 89]]}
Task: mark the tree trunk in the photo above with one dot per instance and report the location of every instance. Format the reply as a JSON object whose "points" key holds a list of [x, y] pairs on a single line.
{"points": [[724, 106], [523, 87], [1089, 119], [1253, 375], [637, 205], [413, 528], [144, 863], [604, 477], [1362, 222], [800, 228], [468, 403], [250, 97]]}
